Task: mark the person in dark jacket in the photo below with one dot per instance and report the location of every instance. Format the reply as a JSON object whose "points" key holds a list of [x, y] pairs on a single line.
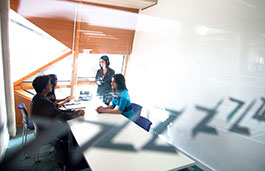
{"points": [[103, 79], [46, 115], [41, 107]]}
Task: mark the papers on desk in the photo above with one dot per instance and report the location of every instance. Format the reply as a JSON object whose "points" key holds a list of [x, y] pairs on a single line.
{"points": [[76, 108], [70, 104], [74, 105]]}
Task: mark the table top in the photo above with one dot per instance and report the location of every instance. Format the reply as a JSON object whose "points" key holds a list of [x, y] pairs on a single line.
{"points": [[111, 141], [221, 149]]}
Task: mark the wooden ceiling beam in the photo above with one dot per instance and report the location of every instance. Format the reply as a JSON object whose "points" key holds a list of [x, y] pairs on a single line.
{"points": [[131, 4]]}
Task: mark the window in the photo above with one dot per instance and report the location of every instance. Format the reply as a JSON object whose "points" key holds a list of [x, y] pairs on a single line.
{"points": [[88, 64]]}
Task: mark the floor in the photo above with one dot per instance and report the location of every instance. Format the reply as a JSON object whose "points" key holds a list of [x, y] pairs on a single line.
{"points": [[23, 163], [46, 164]]}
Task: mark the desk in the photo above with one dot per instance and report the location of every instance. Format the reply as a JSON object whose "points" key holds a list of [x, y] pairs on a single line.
{"points": [[225, 150], [120, 157]]}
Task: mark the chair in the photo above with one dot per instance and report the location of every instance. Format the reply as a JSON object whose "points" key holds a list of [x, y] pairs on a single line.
{"points": [[27, 124], [136, 108], [143, 122]]}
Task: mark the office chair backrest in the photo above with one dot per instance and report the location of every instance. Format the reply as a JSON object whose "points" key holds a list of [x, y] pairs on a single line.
{"points": [[144, 123], [136, 108], [26, 118]]}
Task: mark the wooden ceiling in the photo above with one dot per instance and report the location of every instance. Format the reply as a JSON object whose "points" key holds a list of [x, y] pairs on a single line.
{"points": [[135, 4], [105, 26]]}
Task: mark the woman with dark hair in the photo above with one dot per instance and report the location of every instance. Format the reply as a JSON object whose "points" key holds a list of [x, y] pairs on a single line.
{"points": [[103, 79], [51, 95], [121, 103]]}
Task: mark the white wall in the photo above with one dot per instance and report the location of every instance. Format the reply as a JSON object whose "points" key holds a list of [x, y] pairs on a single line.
{"points": [[188, 52]]}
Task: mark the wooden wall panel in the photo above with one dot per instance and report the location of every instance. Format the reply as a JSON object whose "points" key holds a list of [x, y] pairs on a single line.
{"points": [[61, 26], [14, 4], [114, 41], [19, 98]]}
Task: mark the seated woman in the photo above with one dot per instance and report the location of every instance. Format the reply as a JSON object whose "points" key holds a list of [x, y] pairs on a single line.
{"points": [[51, 95], [121, 103]]}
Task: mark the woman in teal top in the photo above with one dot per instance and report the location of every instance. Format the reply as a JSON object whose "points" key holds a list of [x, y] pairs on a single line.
{"points": [[121, 103]]}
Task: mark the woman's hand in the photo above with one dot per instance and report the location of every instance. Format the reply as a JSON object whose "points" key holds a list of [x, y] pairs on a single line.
{"points": [[67, 99], [100, 109], [98, 82]]}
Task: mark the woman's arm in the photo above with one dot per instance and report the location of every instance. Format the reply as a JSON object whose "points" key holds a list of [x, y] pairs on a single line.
{"points": [[108, 109], [61, 102]]}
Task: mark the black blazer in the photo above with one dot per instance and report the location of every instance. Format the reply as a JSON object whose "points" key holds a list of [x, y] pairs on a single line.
{"points": [[105, 86]]}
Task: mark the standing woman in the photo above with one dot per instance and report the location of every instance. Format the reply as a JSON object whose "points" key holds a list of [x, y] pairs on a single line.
{"points": [[103, 79], [121, 103], [51, 95]]}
